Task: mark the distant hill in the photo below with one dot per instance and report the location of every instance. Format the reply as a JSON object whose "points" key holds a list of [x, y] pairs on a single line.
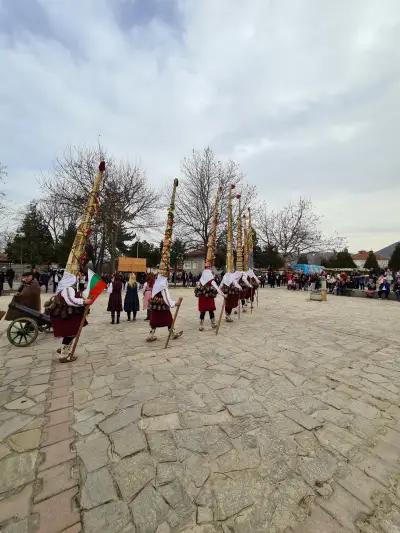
{"points": [[388, 250]]}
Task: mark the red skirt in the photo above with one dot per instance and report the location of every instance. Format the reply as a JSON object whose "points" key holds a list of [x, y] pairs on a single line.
{"points": [[206, 304], [231, 302], [67, 327], [160, 319], [246, 293]]}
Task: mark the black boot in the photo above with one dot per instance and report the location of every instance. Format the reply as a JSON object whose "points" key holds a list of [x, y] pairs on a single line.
{"points": [[129, 316], [112, 318], [117, 318]]}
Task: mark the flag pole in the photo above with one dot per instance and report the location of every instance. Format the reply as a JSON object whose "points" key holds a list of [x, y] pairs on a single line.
{"points": [[220, 317], [173, 323], [76, 340]]}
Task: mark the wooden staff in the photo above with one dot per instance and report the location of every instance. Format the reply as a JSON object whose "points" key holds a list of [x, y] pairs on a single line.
{"points": [[173, 323], [76, 340], [220, 317], [257, 296], [251, 299]]}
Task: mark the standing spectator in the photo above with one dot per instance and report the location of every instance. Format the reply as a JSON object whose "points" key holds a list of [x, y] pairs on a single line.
{"points": [[44, 280], [278, 279], [10, 275], [115, 298], [2, 280], [147, 289], [56, 279], [396, 288], [384, 288], [131, 302]]}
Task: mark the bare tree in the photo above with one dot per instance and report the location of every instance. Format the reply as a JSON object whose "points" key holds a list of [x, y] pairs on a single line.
{"points": [[203, 176], [127, 203], [295, 230]]}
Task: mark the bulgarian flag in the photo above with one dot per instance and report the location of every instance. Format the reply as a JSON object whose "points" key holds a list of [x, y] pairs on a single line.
{"points": [[95, 286]]}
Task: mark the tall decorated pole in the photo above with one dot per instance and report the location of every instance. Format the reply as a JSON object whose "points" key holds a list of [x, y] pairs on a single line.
{"points": [[250, 243], [229, 267], [167, 241], [239, 240], [166, 252], [245, 244], [212, 238], [77, 255]]}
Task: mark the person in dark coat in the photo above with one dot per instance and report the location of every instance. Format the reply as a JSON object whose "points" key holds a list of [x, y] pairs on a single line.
{"points": [[2, 281], [28, 295], [115, 299], [131, 302], [10, 275]]}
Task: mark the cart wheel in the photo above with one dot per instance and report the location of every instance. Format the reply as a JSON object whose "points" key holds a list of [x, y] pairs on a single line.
{"points": [[22, 332]]}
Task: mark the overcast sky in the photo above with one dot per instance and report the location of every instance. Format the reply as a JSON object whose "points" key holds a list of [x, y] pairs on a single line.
{"points": [[304, 94]]}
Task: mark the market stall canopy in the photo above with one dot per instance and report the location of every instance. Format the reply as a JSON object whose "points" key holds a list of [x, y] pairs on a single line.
{"points": [[307, 269]]}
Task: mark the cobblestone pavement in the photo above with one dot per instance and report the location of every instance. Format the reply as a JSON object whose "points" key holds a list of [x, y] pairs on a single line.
{"points": [[289, 420]]}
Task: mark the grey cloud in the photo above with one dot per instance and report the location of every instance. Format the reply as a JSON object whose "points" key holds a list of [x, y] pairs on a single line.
{"points": [[303, 94]]}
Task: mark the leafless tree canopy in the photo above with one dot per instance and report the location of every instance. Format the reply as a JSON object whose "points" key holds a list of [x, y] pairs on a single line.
{"points": [[127, 203], [294, 230], [202, 175]]}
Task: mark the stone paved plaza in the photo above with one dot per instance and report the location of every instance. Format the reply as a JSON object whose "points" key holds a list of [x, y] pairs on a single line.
{"points": [[289, 420]]}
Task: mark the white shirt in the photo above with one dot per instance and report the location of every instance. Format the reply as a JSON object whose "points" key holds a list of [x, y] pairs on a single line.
{"points": [[69, 296]]}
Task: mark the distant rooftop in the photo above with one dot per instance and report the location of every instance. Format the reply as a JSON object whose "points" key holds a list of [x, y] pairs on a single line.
{"points": [[363, 255]]}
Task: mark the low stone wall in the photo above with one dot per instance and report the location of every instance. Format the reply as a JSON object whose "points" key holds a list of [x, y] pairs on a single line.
{"points": [[362, 294]]}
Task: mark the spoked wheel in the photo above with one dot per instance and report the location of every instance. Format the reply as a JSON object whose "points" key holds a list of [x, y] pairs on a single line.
{"points": [[22, 332]]}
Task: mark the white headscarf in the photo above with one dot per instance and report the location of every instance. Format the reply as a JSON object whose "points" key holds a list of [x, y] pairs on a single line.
{"points": [[237, 275], [227, 279], [252, 275], [206, 276], [160, 284], [68, 280]]}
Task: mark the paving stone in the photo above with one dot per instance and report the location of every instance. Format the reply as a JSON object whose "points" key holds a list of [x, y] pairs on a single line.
{"points": [[24, 441], [161, 423], [53, 434], [247, 408], [93, 452], [60, 403], [162, 446], [308, 422], [167, 472], [85, 427], [16, 506], [343, 507], [4, 450], [128, 440], [16, 527], [160, 406], [191, 419], [338, 439], [360, 485], [55, 480], [207, 440], [230, 497], [204, 515], [320, 522], [17, 422], [57, 513], [56, 454], [121, 419], [17, 470], [111, 517], [149, 510], [98, 488], [133, 473]]}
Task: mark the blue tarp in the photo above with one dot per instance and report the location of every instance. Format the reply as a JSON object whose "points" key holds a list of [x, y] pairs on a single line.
{"points": [[308, 269]]}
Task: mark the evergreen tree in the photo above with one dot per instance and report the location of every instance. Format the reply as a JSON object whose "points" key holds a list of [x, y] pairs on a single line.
{"points": [[302, 259], [371, 263], [33, 242], [147, 250], [394, 261], [268, 258], [64, 245], [341, 259]]}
